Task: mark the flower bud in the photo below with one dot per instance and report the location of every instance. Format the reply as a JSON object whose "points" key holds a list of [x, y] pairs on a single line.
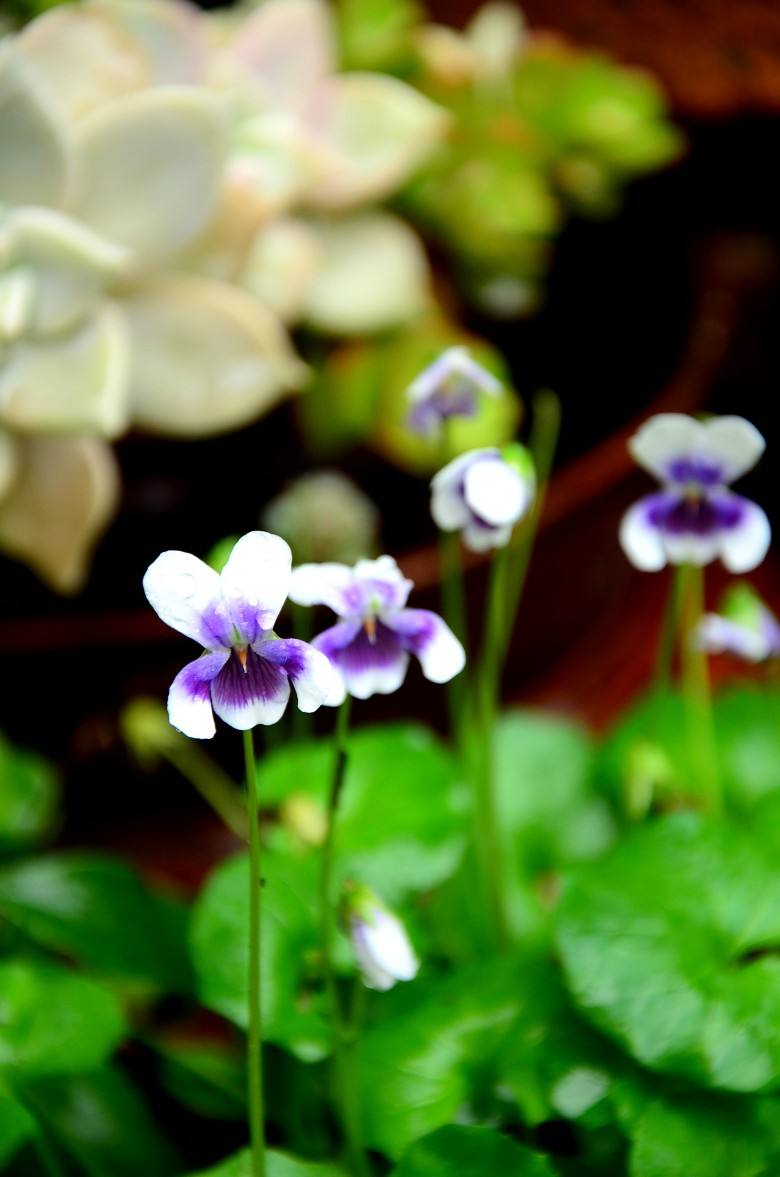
{"points": [[382, 948], [483, 494], [745, 626]]}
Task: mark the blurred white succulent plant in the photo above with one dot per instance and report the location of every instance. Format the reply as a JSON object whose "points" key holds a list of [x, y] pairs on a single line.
{"points": [[176, 190]]}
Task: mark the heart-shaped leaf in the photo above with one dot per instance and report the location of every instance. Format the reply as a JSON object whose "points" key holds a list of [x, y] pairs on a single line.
{"points": [[670, 944]]}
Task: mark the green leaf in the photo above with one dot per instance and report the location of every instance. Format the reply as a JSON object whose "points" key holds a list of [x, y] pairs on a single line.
{"points": [[16, 1126], [401, 822], [713, 1136], [102, 1122], [546, 813], [98, 911], [292, 1012], [417, 1066], [29, 797], [747, 724], [459, 1151], [53, 1022], [278, 1164], [670, 945]]}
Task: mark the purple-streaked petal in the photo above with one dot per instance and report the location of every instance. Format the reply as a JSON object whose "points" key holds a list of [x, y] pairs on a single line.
{"points": [[640, 536], [317, 682], [189, 699], [186, 594], [245, 695], [372, 661], [320, 584], [745, 542], [430, 639], [255, 582]]}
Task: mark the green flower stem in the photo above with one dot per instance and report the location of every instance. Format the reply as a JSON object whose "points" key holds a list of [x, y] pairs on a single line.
{"points": [[214, 786], [453, 595], [667, 639], [255, 1044], [343, 1072], [696, 688], [508, 575]]}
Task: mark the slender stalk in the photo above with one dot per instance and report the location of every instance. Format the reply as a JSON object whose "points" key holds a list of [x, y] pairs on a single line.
{"points": [[255, 1044], [343, 1072], [507, 581], [696, 688], [453, 603], [668, 636]]}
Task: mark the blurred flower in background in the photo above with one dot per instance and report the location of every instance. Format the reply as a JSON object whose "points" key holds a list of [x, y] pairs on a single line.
{"points": [[324, 516], [744, 626], [483, 494], [180, 190]]}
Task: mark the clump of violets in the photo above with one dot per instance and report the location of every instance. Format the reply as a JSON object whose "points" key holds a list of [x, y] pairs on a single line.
{"points": [[483, 494], [449, 387], [695, 517], [380, 942], [323, 515], [245, 670], [744, 626], [376, 633]]}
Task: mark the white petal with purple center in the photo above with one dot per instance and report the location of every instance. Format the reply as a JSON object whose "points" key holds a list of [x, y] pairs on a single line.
{"points": [[255, 582], [448, 508], [371, 662], [251, 693], [189, 699], [719, 635], [186, 594]]}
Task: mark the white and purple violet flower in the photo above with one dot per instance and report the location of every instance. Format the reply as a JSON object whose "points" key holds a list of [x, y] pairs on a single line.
{"points": [[483, 494], [695, 517], [372, 643], [448, 387], [245, 671]]}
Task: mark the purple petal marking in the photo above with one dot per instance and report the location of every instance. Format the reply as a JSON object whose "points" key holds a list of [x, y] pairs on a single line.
{"points": [[367, 596], [332, 641], [415, 628], [288, 654], [703, 471], [675, 514], [365, 651], [238, 686], [196, 677]]}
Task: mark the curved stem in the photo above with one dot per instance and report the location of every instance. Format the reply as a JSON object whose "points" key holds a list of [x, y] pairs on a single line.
{"points": [[255, 1043], [343, 1073]]}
